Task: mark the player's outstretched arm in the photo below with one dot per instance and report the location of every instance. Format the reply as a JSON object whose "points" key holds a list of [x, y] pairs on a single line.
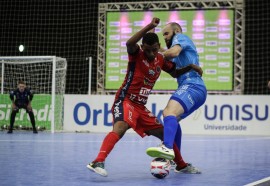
{"points": [[131, 44]]}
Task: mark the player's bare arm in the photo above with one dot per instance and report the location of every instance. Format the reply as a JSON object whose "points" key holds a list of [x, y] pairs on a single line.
{"points": [[131, 44], [181, 71], [162, 50], [172, 52]]}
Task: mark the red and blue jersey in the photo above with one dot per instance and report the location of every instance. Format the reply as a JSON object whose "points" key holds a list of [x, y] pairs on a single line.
{"points": [[141, 77]]}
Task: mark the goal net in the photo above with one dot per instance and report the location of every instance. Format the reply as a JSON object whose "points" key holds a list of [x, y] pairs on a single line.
{"points": [[46, 76]]}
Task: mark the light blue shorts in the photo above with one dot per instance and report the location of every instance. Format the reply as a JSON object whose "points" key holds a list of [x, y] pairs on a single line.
{"points": [[191, 97]]}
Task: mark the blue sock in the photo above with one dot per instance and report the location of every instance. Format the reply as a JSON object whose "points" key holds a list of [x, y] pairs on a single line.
{"points": [[170, 128], [178, 137]]}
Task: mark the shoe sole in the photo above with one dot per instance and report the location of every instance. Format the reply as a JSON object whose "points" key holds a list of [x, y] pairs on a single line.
{"points": [[158, 154], [176, 171], [92, 169]]}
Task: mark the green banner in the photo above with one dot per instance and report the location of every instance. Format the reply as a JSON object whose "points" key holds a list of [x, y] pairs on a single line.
{"points": [[211, 30], [41, 105]]}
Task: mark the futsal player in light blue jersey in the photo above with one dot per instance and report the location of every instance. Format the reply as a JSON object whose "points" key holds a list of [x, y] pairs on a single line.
{"points": [[189, 96]]}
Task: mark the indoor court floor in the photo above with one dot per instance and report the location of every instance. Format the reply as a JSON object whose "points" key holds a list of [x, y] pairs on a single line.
{"points": [[60, 159]]}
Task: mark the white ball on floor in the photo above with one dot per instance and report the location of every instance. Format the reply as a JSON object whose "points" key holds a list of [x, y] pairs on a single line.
{"points": [[160, 167]]}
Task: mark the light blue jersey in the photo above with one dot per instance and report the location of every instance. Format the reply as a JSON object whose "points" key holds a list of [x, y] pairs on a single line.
{"points": [[187, 56], [191, 92]]}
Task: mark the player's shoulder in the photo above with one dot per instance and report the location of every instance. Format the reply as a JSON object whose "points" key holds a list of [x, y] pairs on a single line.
{"points": [[182, 36], [28, 90], [14, 91], [160, 58]]}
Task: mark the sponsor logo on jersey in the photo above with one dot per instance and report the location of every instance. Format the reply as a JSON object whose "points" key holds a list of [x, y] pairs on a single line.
{"points": [[182, 90], [130, 115], [148, 82], [151, 72], [190, 99], [144, 92]]}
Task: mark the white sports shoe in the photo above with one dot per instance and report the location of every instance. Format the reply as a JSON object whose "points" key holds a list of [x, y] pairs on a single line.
{"points": [[161, 152], [173, 164], [97, 167], [189, 169]]}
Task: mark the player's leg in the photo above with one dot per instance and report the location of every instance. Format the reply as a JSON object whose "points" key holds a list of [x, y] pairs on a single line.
{"points": [[12, 119], [185, 99], [119, 129], [172, 128], [171, 125], [178, 160], [32, 118], [157, 132], [108, 144], [178, 137]]}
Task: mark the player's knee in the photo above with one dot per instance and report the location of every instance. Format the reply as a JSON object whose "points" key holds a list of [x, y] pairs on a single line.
{"points": [[173, 111], [120, 128], [29, 111], [166, 112], [15, 110], [156, 132]]}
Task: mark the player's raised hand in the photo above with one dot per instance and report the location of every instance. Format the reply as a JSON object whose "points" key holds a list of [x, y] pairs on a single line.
{"points": [[155, 21]]}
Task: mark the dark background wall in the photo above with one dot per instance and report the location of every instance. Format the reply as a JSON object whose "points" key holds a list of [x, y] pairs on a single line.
{"points": [[257, 49], [68, 28]]}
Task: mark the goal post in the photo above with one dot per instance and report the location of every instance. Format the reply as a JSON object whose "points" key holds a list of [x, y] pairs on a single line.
{"points": [[46, 76]]}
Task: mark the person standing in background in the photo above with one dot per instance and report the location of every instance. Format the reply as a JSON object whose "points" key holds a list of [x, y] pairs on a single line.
{"points": [[21, 99]]}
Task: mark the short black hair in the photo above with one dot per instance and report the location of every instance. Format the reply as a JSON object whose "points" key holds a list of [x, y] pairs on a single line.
{"points": [[21, 82], [150, 38]]}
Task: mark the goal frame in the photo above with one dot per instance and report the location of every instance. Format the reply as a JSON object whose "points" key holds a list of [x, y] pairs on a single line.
{"points": [[52, 60]]}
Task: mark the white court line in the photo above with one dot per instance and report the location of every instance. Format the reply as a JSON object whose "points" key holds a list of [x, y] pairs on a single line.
{"points": [[257, 183]]}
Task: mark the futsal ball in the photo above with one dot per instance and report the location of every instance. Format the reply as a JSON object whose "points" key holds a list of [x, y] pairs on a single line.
{"points": [[160, 167]]}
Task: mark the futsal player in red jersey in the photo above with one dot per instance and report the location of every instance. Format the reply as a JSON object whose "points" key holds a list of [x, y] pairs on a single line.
{"points": [[129, 111]]}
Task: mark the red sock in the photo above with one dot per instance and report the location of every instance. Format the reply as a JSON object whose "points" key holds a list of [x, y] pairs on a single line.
{"points": [[178, 157], [107, 145]]}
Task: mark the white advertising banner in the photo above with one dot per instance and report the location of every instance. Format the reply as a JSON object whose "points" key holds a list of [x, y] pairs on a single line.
{"points": [[220, 115]]}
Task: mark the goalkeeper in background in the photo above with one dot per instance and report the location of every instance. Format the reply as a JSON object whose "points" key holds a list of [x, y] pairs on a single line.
{"points": [[21, 98]]}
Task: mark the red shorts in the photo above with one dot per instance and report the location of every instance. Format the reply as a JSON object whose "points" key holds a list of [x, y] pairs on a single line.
{"points": [[137, 116]]}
